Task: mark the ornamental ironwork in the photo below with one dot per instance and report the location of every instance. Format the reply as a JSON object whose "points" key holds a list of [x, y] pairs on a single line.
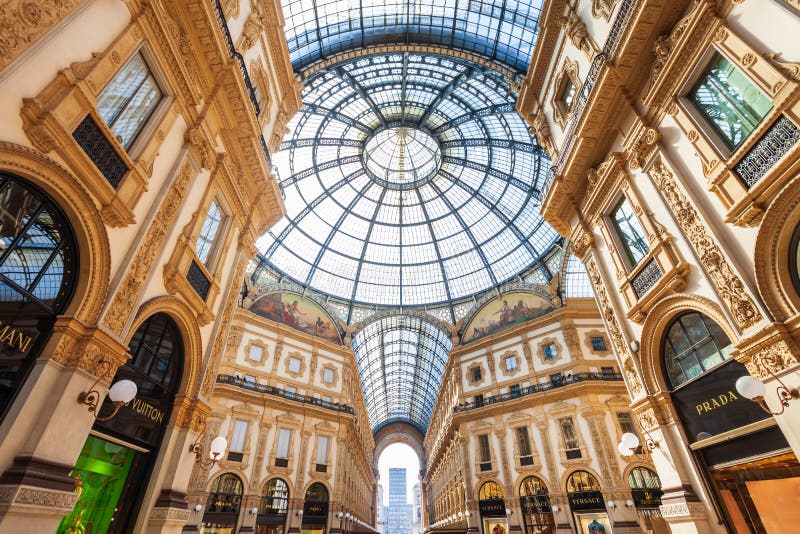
{"points": [[198, 280], [773, 145], [96, 145], [646, 278]]}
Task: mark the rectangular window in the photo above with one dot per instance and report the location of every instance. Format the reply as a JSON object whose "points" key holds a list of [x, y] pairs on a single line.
{"points": [[291, 390], [607, 370], [294, 365], [250, 379], [598, 343], [327, 376], [630, 232], [209, 233], [255, 353], [476, 374], [550, 352], [729, 101], [523, 441], [484, 452], [626, 422], [557, 378], [239, 433], [322, 450], [129, 100], [567, 426], [284, 435], [511, 363], [479, 399], [326, 398], [515, 390]]}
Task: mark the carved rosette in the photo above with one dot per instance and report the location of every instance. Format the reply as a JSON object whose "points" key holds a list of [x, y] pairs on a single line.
{"points": [[129, 290], [727, 284], [770, 360]]}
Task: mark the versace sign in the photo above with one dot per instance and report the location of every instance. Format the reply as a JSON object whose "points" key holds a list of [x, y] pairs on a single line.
{"points": [[586, 500], [492, 507]]}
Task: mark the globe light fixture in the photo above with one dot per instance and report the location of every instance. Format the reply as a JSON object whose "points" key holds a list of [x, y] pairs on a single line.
{"points": [[120, 393], [215, 450], [754, 389]]}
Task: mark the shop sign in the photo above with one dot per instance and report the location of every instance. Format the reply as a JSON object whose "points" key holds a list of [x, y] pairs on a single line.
{"points": [[711, 405], [315, 509], [492, 507], [647, 498], [14, 338], [278, 507], [535, 504], [586, 500]]}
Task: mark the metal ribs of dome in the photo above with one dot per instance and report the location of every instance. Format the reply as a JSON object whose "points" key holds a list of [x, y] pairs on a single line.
{"points": [[468, 228], [504, 32]]}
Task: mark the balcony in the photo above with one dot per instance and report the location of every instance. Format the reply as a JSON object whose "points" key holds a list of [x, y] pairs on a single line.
{"points": [[539, 388], [278, 392]]}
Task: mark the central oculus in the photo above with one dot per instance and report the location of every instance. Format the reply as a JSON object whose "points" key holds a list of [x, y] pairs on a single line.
{"points": [[401, 157]]}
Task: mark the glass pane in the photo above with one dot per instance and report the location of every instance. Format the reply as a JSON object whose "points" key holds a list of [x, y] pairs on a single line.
{"points": [[568, 94], [730, 101], [209, 233], [630, 232]]}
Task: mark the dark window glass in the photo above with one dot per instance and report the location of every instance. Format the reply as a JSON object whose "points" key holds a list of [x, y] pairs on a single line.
{"points": [[626, 422], [582, 481], [550, 352], [484, 451], [568, 94], [643, 478], [598, 343], [476, 374], [693, 344], [567, 426], [276, 498], [225, 495], [515, 390], [490, 490], [730, 102], [523, 441], [630, 232], [317, 492]]}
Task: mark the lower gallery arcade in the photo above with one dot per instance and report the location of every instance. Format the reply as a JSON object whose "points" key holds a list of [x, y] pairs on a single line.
{"points": [[560, 261]]}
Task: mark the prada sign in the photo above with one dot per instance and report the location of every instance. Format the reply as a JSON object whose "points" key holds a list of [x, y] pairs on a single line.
{"points": [[535, 504], [586, 500], [711, 405], [492, 507]]}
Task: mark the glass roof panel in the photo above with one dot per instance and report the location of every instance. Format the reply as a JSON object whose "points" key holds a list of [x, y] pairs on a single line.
{"points": [[408, 205], [400, 360], [502, 31]]}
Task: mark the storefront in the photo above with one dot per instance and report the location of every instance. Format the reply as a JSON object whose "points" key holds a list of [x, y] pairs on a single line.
{"points": [[492, 509], [38, 271], [271, 518], [534, 501], [646, 496], [315, 510], [587, 504], [745, 456], [115, 463], [223, 506]]}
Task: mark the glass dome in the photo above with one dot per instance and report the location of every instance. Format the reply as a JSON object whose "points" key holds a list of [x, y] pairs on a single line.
{"points": [[410, 180]]}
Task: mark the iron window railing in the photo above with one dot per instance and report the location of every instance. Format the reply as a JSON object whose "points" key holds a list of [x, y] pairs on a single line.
{"points": [[538, 388], [278, 392]]}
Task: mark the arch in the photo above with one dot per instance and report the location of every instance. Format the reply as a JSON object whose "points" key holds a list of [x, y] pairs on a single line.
{"points": [[270, 477], [494, 490], [186, 321], [567, 475], [404, 433], [536, 479], [221, 500], [773, 250], [318, 484], [93, 249], [680, 341], [641, 473], [274, 306], [655, 325], [276, 498], [229, 475]]}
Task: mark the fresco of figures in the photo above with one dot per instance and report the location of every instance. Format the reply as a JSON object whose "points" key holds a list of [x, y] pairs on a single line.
{"points": [[298, 312], [505, 311]]}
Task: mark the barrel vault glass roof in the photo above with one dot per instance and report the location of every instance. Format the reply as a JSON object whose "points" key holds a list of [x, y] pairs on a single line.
{"points": [[401, 360], [458, 216], [503, 30]]}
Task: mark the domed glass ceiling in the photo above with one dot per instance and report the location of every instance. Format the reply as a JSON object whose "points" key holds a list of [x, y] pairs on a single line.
{"points": [[410, 180]]}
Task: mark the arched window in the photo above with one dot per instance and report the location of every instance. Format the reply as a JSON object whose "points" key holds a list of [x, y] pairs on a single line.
{"points": [[643, 478], [490, 490], [276, 498], [317, 492], [693, 344], [580, 481], [38, 272], [532, 486], [225, 495]]}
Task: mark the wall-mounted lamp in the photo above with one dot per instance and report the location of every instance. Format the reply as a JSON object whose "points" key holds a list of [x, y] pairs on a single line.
{"points": [[215, 450], [509, 512], [630, 442], [466, 513], [299, 513], [253, 511], [340, 515], [754, 389], [634, 346], [198, 507], [121, 393], [629, 504], [460, 515], [555, 509], [611, 505]]}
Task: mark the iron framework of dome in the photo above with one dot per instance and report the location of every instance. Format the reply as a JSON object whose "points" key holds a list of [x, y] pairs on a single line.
{"points": [[409, 180]]}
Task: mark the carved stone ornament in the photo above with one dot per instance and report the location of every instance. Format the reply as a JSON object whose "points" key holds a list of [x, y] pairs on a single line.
{"points": [[603, 8], [129, 290], [612, 325], [578, 34], [61, 500], [727, 284], [770, 361]]}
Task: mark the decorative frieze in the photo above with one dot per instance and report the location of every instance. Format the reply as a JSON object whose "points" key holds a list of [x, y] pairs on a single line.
{"points": [[727, 284]]}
